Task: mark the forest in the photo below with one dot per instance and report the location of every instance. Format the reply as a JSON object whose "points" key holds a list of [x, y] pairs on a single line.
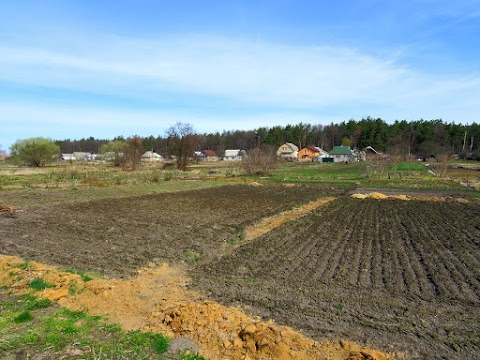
{"points": [[420, 138]]}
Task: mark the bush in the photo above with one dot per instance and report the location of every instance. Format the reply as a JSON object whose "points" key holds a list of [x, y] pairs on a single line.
{"points": [[260, 161]]}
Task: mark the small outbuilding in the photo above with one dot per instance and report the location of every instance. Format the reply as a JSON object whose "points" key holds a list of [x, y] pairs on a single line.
{"points": [[234, 155], [343, 154], [151, 156]]}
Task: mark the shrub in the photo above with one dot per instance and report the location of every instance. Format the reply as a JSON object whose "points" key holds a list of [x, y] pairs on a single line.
{"points": [[260, 161]]}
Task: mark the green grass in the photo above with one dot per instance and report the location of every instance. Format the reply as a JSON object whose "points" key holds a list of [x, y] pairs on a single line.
{"points": [[38, 284], [318, 172], [411, 166], [23, 266], [35, 325], [185, 355], [23, 317], [83, 274]]}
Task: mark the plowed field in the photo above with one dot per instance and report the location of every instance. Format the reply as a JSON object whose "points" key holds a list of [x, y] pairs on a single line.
{"points": [[395, 273], [117, 236]]}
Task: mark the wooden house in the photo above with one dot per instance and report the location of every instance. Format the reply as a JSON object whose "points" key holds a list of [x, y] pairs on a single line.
{"points": [[288, 151], [311, 153]]}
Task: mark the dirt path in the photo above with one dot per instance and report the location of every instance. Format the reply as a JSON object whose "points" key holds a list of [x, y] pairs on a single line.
{"points": [[273, 222], [157, 300]]}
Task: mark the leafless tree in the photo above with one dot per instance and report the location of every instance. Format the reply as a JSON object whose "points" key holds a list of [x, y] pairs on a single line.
{"points": [[183, 141], [260, 161], [133, 153]]}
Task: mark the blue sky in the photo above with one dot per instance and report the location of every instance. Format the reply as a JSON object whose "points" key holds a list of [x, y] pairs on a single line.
{"points": [[102, 68]]}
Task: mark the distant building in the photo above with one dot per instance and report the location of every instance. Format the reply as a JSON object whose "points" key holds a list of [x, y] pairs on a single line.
{"points": [[311, 153], [151, 156], [234, 155], [76, 156], [288, 151], [342, 154], [4, 157], [209, 155]]}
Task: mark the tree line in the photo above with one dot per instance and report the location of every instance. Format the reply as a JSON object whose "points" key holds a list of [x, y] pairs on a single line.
{"points": [[420, 138]]}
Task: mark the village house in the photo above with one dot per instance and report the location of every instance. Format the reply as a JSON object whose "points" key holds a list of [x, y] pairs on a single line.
{"points": [[76, 156], [151, 156], [4, 157], [311, 153], [372, 154], [288, 151], [343, 154], [209, 155], [234, 155]]}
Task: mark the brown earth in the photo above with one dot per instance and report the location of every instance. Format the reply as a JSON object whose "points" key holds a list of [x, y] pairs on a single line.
{"points": [[157, 300], [115, 237], [401, 275], [377, 272]]}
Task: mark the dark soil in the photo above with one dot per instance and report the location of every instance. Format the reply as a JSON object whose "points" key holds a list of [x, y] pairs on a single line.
{"points": [[399, 275], [396, 274], [117, 236]]}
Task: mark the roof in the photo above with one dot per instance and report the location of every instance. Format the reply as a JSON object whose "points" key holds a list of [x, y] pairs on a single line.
{"points": [[292, 146], [151, 154], [341, 150], [232, 153], [209, 153], [369, 148], [80, 154], [312, 148]]}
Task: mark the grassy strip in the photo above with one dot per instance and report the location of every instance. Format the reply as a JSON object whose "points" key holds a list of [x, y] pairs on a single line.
{"points": [[29, 325]]}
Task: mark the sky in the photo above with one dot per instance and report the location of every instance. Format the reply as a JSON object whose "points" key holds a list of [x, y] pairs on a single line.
{"points": [[72, 69]]}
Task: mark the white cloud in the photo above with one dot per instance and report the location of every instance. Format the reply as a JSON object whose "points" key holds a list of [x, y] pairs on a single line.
{"points": [[257, 76], [251, 72]]}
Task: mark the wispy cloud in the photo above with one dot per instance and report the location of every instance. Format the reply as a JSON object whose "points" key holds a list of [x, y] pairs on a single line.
{"points": [[277, 83], [251, 72]]}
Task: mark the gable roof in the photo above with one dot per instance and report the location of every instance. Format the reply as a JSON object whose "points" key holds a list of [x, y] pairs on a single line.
{"points": [[292, 146], [341, 150], [312, 148], [151, 155], [369, 148], [232, 153], [210, 153]]}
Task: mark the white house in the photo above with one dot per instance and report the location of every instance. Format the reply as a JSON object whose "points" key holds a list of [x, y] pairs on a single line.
{"points": [[234, 155], [151, 156]]}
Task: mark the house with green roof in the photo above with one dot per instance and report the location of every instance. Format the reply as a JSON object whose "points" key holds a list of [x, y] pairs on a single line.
{"points": [[342, 153]]}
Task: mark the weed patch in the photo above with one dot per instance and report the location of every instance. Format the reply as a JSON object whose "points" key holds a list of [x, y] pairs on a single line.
{"points": [[83, 274], [38, 284], [186, 355], [33, 324], [23, 317]]}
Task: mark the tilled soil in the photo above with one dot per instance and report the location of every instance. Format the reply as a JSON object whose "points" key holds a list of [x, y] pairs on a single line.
{"points": [[401, 276], [396, 274], [117, 236]]}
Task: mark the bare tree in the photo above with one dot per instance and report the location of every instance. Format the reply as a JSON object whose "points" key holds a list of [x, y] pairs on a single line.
{"points": [[183, 141], [260, 161], [133, 153]]}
